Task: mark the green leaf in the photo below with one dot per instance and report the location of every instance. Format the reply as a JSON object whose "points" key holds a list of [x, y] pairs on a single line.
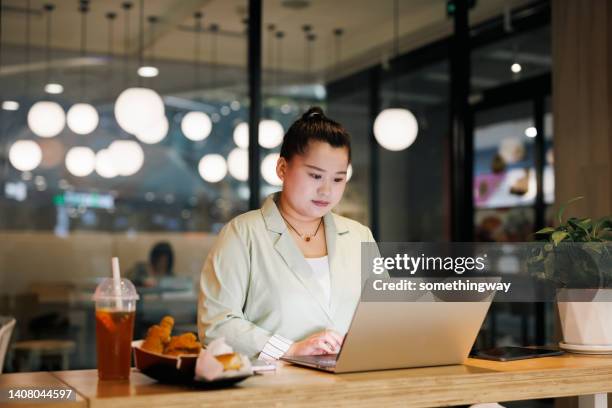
{"points": [[559, 236], [602, 225], [546, 230], [563, 206]]}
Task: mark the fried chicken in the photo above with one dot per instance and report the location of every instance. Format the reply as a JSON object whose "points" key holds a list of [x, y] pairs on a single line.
{"points": [[184, 344], [158, 336]]}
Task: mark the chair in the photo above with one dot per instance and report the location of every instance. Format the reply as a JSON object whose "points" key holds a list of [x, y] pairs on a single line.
{"points": [[31, 355], [6, 329]]}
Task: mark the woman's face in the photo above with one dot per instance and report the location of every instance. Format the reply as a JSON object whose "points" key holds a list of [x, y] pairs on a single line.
{"points": [[313, 183]]}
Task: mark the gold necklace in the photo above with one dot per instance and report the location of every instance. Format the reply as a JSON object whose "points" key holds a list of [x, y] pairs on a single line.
{"points": [[306, 238]]}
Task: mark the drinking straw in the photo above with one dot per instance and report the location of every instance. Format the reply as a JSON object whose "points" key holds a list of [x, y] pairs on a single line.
{"points": [[117, 280]]}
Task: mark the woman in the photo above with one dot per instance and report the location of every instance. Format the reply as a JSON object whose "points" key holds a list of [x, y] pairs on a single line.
{"points": [[161, 261], [285, 279]]}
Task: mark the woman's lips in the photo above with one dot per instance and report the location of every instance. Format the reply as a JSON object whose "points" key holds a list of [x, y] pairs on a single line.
{"points": [[320, 203]]}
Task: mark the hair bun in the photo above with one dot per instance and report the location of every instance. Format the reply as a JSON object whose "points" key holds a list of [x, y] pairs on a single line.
{"points": [[313, 112]]}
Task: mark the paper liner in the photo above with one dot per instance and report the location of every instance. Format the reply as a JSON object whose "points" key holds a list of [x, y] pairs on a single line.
{"points": [[208, 368]]}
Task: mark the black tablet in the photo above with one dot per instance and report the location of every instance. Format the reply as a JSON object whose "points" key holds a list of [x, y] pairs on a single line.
{"points": [[513, 353]]}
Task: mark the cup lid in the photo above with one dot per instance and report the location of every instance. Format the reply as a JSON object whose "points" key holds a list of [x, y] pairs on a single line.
{"points": [[106, 290]]}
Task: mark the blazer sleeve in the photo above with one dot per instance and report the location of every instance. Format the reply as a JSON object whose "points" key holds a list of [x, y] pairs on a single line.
{"points": [[224, 284]]}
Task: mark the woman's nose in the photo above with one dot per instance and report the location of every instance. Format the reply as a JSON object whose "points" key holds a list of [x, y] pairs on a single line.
{"points": [[325, 188]]}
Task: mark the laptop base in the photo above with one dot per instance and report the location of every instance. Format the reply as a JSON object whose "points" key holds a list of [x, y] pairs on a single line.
{"points": [[325, 362]]}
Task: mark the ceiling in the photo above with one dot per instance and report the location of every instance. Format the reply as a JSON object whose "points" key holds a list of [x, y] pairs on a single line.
{"points": [[171, 166], [367, 26]]}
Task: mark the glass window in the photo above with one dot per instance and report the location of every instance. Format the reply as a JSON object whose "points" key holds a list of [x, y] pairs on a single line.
{"points": [[504, 173], [413, 182], [352, 111], [60, 223], [549, 160], [513, 59]]}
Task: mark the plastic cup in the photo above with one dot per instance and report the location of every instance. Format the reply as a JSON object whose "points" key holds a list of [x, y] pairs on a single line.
{"points": [[115, 312]]}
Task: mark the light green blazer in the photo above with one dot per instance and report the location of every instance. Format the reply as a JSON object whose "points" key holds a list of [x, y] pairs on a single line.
{"points": [[256, 283]]}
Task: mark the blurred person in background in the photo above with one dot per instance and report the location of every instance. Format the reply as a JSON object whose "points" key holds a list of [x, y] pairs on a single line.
{"points": [[161, 262]]}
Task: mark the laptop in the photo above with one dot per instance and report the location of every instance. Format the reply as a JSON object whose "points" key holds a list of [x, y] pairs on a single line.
{"points": [[388, 335]]}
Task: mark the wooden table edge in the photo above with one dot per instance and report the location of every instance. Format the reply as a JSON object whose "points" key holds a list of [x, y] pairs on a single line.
{"points": [[84, 397], [451, 389]]}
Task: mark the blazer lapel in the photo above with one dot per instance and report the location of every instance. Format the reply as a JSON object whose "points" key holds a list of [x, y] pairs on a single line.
{"points": [[289, 251], [334, 230]]}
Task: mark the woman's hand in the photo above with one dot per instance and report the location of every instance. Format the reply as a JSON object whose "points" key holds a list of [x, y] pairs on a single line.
{"points": [[324, 342]]}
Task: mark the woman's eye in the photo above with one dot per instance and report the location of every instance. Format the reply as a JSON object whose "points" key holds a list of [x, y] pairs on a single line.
{"points": [[315, 176], [338, 180]]}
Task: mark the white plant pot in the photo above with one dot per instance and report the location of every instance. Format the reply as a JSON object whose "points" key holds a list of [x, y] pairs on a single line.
{"points": [[587, 323]]}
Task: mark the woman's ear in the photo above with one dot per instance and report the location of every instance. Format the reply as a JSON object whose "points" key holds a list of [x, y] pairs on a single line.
{"points": [[281, 168]]}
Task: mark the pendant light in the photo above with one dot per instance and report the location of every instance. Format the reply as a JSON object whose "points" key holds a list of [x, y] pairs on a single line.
{"points": [[278, 36], [25, 155], [241, 135], [110, 17], [268, 169], [214, 40], [196, 125], [138, 108], [238, 164], [307, 28], [46, 118], [127, 157], [10, 105], [150, 70], [516, 67], [80, 161], [338, 32], [50, 87], [212, 168], [395, 128], [157, 130], [105, 164], [7, 105], [82, 117], [271, 132]]}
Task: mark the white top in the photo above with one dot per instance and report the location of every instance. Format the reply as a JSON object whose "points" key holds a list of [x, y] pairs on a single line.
{"points": [[277, 346], [320, 273]]}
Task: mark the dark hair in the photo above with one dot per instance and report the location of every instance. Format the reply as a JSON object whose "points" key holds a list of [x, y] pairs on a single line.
{"points": [[314, 125], [159, 250]]}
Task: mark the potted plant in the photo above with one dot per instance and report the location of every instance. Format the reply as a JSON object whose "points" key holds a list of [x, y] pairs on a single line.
{"points": [[576, 257]]}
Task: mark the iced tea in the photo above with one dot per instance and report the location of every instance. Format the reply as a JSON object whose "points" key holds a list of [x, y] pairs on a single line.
{"points": [[114, 331]]}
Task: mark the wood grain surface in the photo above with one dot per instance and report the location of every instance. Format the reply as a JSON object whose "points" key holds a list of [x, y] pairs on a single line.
{"points": [[476, 381]]}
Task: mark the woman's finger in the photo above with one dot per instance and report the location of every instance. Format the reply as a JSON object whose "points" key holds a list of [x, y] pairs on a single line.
{"points": [[326, 345], [332, 340], [338, 339]]}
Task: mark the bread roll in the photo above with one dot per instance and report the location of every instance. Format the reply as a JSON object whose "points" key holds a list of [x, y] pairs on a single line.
{"points": [[230, 361]]}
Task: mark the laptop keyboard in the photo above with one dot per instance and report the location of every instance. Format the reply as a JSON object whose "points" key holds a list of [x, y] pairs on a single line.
{"points": [[325, 360]]}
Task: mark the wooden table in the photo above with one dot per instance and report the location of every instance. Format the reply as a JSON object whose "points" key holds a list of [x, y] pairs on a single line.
{"points": [[476, 381]]}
